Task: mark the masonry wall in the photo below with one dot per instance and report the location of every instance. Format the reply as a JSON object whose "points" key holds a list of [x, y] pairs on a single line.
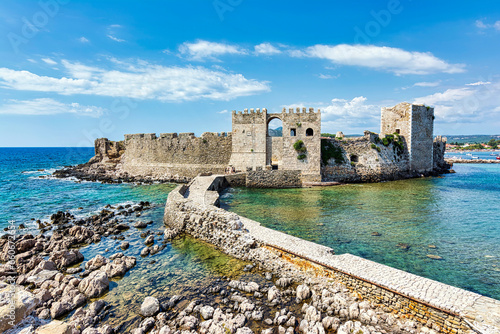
{"points": [[249, 139], [176, 154], [273, 179], [371, 165], [422, 126]]}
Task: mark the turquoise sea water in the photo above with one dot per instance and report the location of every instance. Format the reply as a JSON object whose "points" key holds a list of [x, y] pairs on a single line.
{"points": [[459, 214]]}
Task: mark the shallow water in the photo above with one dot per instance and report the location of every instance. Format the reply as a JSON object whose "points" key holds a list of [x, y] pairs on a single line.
{"points": [[457, 213]]}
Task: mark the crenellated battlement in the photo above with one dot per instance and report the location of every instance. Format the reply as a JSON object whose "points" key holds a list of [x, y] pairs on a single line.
{"points": [[174, 135], [299, 110], [251, 111]]}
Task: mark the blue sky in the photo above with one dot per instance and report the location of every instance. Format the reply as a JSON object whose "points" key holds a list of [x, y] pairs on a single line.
{"points": [[73, 71]]}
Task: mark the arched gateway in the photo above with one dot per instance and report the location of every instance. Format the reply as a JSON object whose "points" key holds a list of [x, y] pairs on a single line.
{"points": [[257, 145]]}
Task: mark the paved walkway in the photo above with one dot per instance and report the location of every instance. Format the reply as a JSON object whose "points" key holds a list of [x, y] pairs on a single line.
{"points": [[482, 311]]}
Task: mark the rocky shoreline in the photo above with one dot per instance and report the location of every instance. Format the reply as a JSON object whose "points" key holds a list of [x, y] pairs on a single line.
{"points": [[51, 285], [471, 161], [110, 172]]}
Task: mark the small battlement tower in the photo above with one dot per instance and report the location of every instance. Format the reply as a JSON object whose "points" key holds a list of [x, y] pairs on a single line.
{"points": [[415, 123], [253, 147]]}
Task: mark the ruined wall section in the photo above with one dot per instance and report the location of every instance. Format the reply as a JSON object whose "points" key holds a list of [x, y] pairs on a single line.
{"points": [[439, 149], [306, 124], [416, 124], [365, 159], [107, 151], [173, 154], [249, 139]]}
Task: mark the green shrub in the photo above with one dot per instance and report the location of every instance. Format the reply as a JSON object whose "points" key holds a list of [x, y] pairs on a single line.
{"points": [[299, 146], [353, 164], [330, 150], [301, 156], [385, 141]]}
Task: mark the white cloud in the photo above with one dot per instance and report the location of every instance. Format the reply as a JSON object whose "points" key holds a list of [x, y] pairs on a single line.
{"points": [[479, 83], [354, 116], [427, 84], [480, 24], [328, 76], [112, 32], [483, 26], [225, 111], [47, 106], [350, 116], [140, 80], [266, 49], [201, 50], [381, 57], [116, 39], [471, 104], [49, 61], [83, 40]]}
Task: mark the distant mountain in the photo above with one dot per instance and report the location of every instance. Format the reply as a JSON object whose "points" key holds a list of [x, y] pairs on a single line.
{"points": [[471, 139], [278, 132]]}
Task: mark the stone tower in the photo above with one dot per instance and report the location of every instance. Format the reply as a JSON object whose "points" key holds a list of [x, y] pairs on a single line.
{"points": [[254, 149], [415, 123]]}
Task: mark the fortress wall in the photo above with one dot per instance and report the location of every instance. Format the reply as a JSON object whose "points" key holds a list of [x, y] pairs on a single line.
{"points": [[371, 165], [176, 154]]}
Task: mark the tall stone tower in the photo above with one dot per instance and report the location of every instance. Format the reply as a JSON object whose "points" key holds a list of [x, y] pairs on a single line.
{"points": [[254, 149], [415, 123]]}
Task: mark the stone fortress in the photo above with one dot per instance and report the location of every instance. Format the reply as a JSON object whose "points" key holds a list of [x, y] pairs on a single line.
{"points": [[404, 148]]}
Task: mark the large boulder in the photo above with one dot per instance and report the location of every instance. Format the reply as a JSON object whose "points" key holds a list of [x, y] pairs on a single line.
{"points": [[65, 258], [54, 327], [150, 307], [303, 292], [95, 263], [15, 304], [95, 284], [119, 266], [81, 234]]}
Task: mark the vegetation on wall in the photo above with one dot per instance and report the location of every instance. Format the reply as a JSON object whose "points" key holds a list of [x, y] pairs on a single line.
{"points": [[301, 156], [299, 146], [394, 139], [330, 150], [374, 146], [301, 149]]}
